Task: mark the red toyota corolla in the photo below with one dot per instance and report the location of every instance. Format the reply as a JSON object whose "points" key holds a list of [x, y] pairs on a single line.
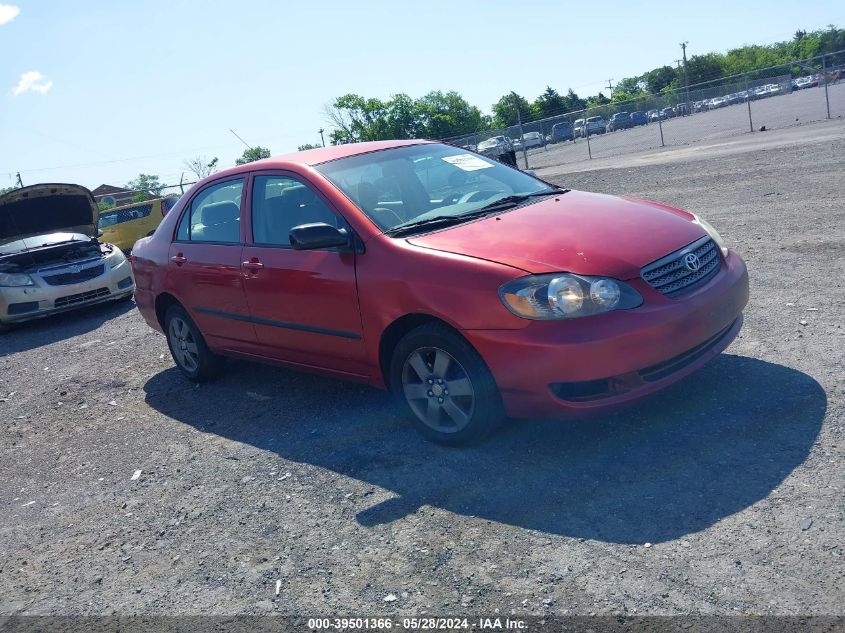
{"points": [[468, 288]]}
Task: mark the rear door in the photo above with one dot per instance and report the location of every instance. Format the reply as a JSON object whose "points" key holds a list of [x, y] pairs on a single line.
{"points": [[205, 264], [304, 304]]}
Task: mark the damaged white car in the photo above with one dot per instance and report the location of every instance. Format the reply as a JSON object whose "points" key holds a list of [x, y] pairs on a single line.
{"points": [[50, 257]]}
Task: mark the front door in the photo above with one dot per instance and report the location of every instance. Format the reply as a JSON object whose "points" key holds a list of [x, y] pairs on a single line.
{"points": [[304, 304]]}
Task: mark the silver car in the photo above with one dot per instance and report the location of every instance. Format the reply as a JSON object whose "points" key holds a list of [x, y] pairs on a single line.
{"points": [[50, 257], [534, 139]]}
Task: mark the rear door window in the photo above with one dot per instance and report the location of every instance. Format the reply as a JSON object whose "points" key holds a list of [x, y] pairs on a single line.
{"points": [[214, 215]]}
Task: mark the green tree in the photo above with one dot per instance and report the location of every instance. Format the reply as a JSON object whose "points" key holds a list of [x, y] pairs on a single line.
{"points": [[659, 78], [399, 118], [630, 85], [549, 103], [504, 110], [6, 190], [598, 100], [306, 146], [749, 58], [447, 114], [436, 115], [701, 68], [832, 41], [146, 187], [104, 206], [253, 154], [355, 118], [574, 102]]}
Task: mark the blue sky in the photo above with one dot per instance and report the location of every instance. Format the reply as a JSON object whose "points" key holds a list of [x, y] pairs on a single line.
{"points": [[98, 91]]}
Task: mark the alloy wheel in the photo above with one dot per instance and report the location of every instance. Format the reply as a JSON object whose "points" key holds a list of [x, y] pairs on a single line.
{"points": [[438, 389], [183, 344]]}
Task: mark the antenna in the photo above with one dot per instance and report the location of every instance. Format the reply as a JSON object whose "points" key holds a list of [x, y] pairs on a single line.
{"points": [[248, 146]]}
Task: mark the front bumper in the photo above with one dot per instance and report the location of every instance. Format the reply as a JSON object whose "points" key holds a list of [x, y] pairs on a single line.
{"points": [[600, 362], [26, 303]]}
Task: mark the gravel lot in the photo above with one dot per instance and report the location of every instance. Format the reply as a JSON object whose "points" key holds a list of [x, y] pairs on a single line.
{"points": [[722, 495]]}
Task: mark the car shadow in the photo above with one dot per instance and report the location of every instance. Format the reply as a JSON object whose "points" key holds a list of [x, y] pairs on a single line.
{"points": [[706, 448], [64, 325]]}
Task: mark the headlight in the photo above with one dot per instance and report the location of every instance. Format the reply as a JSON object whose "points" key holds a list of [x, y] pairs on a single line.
{"points": [[713, 233], [116, 257], [566, 296], [15, 280]]}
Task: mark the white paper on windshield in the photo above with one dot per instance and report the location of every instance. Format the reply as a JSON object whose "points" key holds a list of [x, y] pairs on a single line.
{"points": [[468, 162]]}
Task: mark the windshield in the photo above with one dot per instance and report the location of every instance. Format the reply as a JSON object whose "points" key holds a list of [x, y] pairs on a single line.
{"points": [[420, 182]]}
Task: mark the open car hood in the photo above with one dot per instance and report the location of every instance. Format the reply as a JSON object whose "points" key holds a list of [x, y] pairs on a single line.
{"points": [[47, 208]]}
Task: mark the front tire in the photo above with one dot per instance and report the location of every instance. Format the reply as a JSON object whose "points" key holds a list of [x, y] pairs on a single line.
{"points": [[446, 385], [188, 348]]}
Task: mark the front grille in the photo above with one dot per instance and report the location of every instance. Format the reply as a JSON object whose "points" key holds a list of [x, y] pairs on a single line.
{"points": [[671, 276], [82, 297], [85, 274]]}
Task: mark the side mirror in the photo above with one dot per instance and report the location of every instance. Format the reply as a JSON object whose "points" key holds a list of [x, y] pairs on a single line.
{"points": [[317, 235], [100, 233]]}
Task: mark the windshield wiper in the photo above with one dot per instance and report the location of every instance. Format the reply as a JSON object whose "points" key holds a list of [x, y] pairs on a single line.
{"points": [[511, 201], [438, 222], [442, 221]]}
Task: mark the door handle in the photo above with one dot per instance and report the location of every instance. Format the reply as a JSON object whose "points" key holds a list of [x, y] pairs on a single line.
{"points": [[252, 265], [179, 259]]}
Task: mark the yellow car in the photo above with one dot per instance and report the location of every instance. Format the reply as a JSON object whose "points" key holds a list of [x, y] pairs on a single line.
{"points": [[123, 226]]}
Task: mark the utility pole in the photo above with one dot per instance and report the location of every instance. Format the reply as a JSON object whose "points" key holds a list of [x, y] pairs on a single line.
{"points": [[20, 182], [322, 139], [610, 87], [686, 75]]}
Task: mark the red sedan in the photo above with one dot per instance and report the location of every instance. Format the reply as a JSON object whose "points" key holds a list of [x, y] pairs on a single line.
{"points": [[469, 289]]}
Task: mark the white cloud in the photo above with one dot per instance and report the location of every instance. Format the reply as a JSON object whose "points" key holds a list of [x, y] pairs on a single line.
{"points": [[8, 12], [32, 80]]}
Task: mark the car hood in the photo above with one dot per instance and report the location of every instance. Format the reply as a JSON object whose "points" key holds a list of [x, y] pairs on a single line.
{"points": [[47, 208], [577, 232]]}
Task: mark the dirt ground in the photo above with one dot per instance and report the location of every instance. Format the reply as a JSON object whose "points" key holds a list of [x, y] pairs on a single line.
{"points": [[270, 491]]}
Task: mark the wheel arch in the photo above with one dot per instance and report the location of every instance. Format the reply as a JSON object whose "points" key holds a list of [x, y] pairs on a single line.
{"points": [[394, 332], [162, 304]]}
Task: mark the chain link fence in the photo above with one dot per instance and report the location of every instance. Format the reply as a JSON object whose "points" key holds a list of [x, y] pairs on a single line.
{"points": [[777, 97]]}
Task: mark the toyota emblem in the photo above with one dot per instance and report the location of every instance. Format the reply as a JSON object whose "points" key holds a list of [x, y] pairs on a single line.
{"points": [[692, 262]]}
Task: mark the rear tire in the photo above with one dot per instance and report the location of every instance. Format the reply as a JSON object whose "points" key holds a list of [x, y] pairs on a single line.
{"points": [[188, 348], [445, 385]]}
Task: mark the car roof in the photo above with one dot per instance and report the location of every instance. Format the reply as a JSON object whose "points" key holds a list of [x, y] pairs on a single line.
{"points": [[311, 157]]}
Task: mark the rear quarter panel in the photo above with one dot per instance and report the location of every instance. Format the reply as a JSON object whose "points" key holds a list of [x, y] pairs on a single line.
{"points": [[149, 264]]}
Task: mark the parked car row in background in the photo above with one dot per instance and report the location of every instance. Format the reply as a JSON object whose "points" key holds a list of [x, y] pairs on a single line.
{"points": [[582, 127]]}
